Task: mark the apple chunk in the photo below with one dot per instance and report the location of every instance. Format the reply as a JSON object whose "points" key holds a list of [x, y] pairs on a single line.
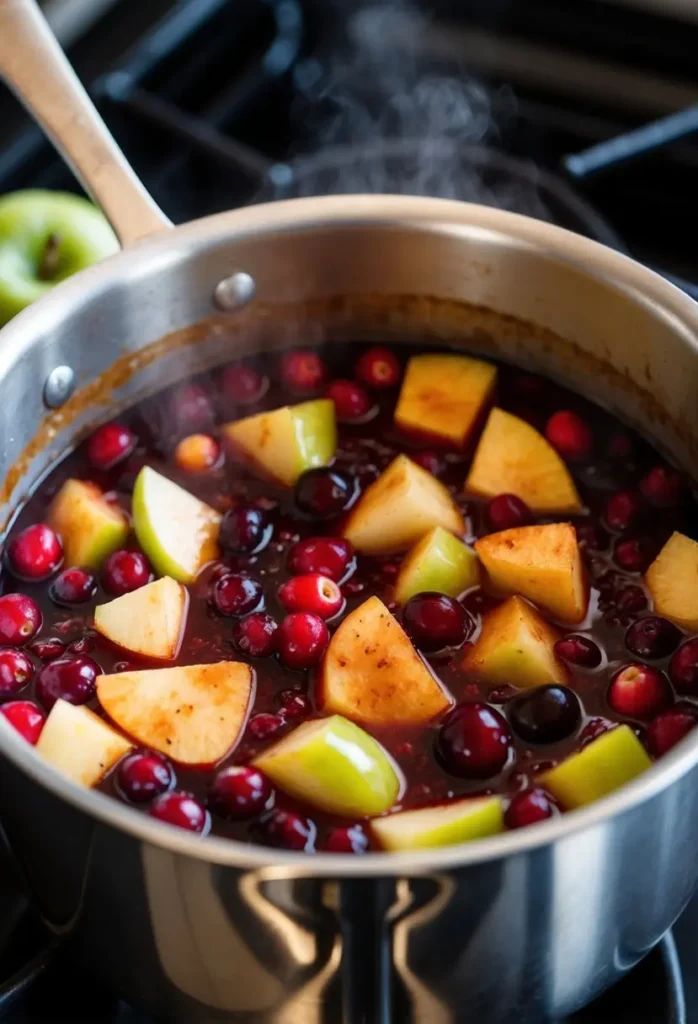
{"points": [[287, 441], [91, 528], [672, 580], [193, 713], [444, 395], [442, 825], [516, 647], [79, 744], [178, 533], [513, 458], [438, 562], [398, 508], [334, 765], [371, 673], [542, 563], [148, 621], [611, 760]]}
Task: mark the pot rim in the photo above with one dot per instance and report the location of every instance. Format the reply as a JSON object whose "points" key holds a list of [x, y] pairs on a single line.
{"points": [[643, 286]]}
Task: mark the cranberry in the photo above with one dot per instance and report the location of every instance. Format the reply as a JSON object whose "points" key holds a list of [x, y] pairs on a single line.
{"points": [[630, 600], [302, 639], [197, 453], [243, 385], [547, 714], [639, 691], [143, 775], [255, 635], [665, 731], [294, 704], [289, 831], [378, 368], [652, 637], [26, 717], [324, 493], [71, 679], [623, 510], [15, 671], [351, 401], [182, 810], [35, 553], [264, 725], [311, 593], [239, 792], [663, 486], [527, 808], [236, 595], [73, 586], [507, 511], [473, 741], [302, 370], [620, 446], [594, 538], [569, 435], [244, 529], [434, 621], [83, 644], [20, 619], [351, 839], [579, 650], [329, 556], [635, 554], [109, 444], [190, 408], [683, 667], [125, 571], [428, 460], [47, 647]]}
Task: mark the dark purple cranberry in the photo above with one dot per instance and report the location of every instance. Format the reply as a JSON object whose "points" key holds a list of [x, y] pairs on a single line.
{"points": [[243, 385], [190, 408], [635, 554], [236, 595], [83, 644], [593, 537], [328, 556], [243, 529], [181, 810], [528, 808], [474, 741], [239, 792], [293, 704], [629, 601], [264, 725], [125, 571], [579, 650], [506, 511], [652, 637], [351, 839], [46, 647], [70, 679], [143, 775], [255, 635], [683, 667], [35, 553], [668, 728], [16, 670], [547, 714], [324, 493], [302, 639], [639, 691], [289, 831], [434, 621], [20, 619], [109, 444], [663, 486], [73, 586], [428, 460], [623, 510], [351, 401]]}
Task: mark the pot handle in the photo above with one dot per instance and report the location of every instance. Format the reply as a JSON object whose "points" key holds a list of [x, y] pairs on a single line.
{"points": [[34, 66]]}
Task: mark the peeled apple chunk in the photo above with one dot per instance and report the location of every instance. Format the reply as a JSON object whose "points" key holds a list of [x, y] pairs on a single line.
{"points": [[542, 563], [672, 580], [438, 562], [148, 621], [371, 673], [611, 760], [335, 766], [286, 442], [443, 825], [193, 713], [516, 647], [513, 458], [444, 395], [90, 528], [398, 508], [76, 742], [178, 533]]}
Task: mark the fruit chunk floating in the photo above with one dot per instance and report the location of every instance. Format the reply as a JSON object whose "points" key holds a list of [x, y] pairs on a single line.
{"points": [[89, 526], [443, 825], [79, 744], [438, 562], [444, 395], [672, 580], [614, 758], [148, 621]]}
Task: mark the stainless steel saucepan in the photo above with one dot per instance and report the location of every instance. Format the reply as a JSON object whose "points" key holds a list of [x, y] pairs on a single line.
{"points": [[520, 927]]}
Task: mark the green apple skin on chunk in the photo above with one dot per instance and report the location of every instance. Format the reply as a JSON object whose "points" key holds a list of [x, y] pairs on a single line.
{"points": [[438, 562], [178, 533], [44, 238], [77, 743], [442, 825], [90, 528], [287, 441], [606, 764], [335, 766], [148, 621]]}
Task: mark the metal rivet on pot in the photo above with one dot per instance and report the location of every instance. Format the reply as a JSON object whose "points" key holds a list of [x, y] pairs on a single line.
{"points": [[59, 386], [234, 292]]}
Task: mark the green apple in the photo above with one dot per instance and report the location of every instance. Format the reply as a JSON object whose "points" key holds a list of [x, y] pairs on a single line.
{"points": [[442, 825], [148, 621], [178, 533], [335, 766], [44, 238], [438, 562], [90, 528], [614, 758], [193, 713], [287, 441], [79, 744]]}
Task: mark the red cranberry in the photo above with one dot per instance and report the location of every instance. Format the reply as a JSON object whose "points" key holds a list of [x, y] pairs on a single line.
{"points": [[125, 571], [73, 586], [83, 644], [569, 435], [668, 728], [683, 667], [294, 704], [351, 401], [26, 717], [311, 593], [35, 553], [71, 679], [109, 444], [182, 810], [378, 368], [243, 385], [236, 595], [20, 619], [663, 486], [428, 460], [652, 637], [143, 775], [329, 556], [324, 493], [302, 639], [474, 741], [434, 621], [635, 554], [579, 650], [239, 792], [47, 647], [302, 370], [527, 808], [547, 714], [255, 635], [638, 691], [507, 511], [594, 538], [351, 839], [623, 510], [190, 408], [243, 529], [289, 831], [15, 671], [264, 725]]}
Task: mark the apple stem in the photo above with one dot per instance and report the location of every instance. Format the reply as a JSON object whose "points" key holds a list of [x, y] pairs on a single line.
{"points": [[48, 264]]}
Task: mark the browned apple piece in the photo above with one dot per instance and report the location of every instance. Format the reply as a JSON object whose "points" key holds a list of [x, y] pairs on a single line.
{"points": [[672, 580], [444, 394]]}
